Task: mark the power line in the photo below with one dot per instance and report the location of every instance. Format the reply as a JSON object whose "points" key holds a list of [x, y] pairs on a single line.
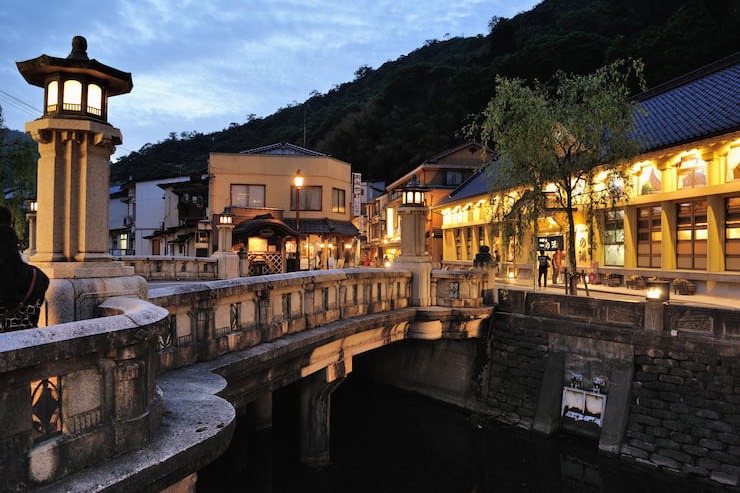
{"points": [[11, 104], [18, 104], [20, 101]]}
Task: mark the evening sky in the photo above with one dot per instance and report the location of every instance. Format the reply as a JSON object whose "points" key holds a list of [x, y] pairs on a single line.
{"points": [[203, 64]]}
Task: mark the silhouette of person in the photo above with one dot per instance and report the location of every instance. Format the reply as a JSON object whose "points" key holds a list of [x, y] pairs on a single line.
{"points": [[543, 262], [22, 288]]}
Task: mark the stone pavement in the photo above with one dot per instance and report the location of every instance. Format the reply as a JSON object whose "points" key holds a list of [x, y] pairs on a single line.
{"points": [[622, 293]]}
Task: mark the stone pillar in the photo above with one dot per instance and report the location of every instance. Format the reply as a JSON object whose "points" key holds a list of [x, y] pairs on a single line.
{"points": [[260, 413], [715, 235], [228, 261], [72, 219], [630, 237], [31, 234], [73, 188], [315, 414], [413, 255], [654, 315], [668, 236]]}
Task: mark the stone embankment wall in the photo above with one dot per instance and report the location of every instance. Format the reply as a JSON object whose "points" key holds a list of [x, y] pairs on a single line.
{"points": [[518, 354], [686, 413], [673, 391]]}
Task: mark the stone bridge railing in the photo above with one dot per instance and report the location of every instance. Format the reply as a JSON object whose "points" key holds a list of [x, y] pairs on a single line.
{"points": [[163, 268], [211, 319], [75, 393]]}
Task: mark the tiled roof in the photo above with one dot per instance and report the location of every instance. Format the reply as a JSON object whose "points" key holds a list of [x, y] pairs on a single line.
{"points": [[698, 105], [284, 148], [476, 185]]}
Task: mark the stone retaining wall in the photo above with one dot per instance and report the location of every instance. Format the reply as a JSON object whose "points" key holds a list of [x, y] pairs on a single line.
{"points": [[686, 413], [673, 392], [517, 365]]}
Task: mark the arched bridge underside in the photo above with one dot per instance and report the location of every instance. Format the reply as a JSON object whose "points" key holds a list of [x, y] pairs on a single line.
{"points": [[201, 401]]}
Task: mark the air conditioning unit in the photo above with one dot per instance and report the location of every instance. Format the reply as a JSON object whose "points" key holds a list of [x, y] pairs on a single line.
{"points": [[128, 221]]}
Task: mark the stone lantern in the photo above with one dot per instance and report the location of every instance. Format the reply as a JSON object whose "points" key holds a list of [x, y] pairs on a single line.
{"points": [[413, 214], [228, 260], [75, 144]]}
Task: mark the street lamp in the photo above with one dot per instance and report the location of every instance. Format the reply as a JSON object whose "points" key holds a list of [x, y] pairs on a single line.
{"points": [[33, 207], [298, 182], [413, 194]]}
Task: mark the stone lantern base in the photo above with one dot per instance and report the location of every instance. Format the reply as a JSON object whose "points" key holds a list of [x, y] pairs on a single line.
{"points": [[77, 288], [421, 271]]}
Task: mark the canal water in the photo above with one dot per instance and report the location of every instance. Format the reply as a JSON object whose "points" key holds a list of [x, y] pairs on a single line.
{"points": [[386, 440]]}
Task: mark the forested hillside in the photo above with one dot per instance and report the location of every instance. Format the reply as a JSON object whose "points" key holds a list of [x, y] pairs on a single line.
{"points": [[391, 118]]}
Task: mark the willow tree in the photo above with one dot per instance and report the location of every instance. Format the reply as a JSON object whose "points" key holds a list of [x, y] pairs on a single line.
{"points": [[568, 141]]}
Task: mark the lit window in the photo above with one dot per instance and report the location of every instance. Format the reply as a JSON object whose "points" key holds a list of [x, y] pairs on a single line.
{"points": [[650, 180], [337, 200], [52, 96], [94, 99], [733, 164], [310, 198], [614, 238], [692, 173], [72, 99]]}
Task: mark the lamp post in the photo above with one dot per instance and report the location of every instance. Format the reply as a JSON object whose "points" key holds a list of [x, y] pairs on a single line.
{"points": [[298, 183], [33, 207]]}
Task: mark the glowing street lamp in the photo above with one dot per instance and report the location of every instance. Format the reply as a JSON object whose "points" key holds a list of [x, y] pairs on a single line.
{"points": [[658, 291], [413, 194], [298, 182], [75, 86]]}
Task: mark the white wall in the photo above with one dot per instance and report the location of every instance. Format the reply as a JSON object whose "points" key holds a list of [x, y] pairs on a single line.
{"points": [[150, 210]]}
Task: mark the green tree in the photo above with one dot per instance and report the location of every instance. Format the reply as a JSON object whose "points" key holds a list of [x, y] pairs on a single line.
{"points": [[18, 166], [554, 140]]}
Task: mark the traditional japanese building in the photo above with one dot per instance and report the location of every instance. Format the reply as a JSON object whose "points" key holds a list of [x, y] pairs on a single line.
{"points": [[290, 207], [440, 175], [682, 217]]}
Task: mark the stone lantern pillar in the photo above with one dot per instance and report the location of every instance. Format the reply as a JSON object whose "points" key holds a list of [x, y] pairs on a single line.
{"points": [[413, 216], [31, 216], [75, 143], [228, 261]]}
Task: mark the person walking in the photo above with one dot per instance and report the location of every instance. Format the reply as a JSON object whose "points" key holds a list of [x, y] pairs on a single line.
{"points": [[543, 262], [557, 264]]}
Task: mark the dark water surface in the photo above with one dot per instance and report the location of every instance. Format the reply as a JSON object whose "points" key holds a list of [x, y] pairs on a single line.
{"points": [[385, 440]]}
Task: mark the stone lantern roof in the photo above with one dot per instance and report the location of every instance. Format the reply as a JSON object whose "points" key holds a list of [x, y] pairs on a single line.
{"points": [[37, 69]]}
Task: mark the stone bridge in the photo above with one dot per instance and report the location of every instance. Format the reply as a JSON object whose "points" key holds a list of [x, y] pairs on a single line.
{"points": [[145, 395]]}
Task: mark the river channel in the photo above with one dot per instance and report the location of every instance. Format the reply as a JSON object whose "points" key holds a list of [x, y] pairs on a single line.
{"points": [[386, 440]]}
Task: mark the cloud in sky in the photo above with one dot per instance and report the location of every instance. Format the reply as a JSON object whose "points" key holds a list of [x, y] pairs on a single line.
{"points": [[200, 65]]}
